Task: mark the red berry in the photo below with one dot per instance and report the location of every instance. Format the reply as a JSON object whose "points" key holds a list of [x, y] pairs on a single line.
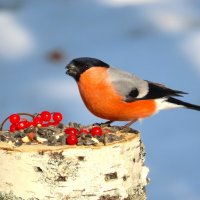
{"points": [[57, 116], [96, 130], [55, 123], [27, 123], [50, 124], [46, 125], [84, 130], [21, 125], [72, 139], [30, 124], [13, 128], [71, 130], [46, 116], [14, 118], [37, 121]]}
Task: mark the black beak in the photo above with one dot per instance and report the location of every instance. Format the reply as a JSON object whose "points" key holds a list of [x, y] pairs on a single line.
{"points": [[72, 71]]}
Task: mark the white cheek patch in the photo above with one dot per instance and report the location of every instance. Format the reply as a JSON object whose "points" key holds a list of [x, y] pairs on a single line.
{"points": [[143, 89]]}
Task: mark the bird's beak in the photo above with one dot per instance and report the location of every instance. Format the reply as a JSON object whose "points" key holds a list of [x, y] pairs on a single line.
{"points": [[71, 70]]}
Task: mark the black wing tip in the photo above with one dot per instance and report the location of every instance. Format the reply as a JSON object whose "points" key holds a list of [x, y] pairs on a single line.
{"points": [[182, 103], [157, 90], [178, 93]]}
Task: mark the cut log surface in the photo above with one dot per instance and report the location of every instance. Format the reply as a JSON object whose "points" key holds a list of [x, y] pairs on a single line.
{"points": [[114, 171]]}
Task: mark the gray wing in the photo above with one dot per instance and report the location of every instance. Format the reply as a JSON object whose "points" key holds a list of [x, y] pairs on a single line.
{"points": [[134, 88]]}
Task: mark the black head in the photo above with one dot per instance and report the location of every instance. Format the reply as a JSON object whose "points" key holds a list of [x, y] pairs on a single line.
{"points": [[79, 65]]}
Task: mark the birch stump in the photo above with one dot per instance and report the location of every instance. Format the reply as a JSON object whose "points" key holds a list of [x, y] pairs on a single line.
{"points": [[37, 172]]}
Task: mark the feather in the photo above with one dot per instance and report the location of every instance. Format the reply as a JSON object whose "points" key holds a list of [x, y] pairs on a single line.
{"points": [[134, 88]]}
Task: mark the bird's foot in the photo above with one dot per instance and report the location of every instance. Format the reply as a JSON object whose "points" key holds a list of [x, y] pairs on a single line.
{"points": [[127, 128], [104, 124]]}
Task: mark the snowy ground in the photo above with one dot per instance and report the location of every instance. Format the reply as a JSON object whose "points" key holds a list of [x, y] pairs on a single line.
{"points": [[158, 40]]}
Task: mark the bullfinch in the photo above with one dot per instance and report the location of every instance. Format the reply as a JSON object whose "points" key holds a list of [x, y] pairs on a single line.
{"points": [[116, 95]]}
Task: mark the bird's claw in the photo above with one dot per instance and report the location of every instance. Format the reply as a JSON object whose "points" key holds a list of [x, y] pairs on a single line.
{"points": [[107, 123]]}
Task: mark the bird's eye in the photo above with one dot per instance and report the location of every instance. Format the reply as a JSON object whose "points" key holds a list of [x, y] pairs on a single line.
{"points": [[134, 93]]}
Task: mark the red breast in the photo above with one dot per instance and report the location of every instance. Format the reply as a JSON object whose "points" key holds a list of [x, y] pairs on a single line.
{"points": [[102, 99]]}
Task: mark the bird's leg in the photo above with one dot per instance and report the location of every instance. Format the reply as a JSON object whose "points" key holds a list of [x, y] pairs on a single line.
{"points": [[130, 123], [127, 128]]}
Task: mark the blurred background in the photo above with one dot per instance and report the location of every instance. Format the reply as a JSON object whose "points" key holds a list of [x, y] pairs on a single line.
{"points": [[159, 40]]}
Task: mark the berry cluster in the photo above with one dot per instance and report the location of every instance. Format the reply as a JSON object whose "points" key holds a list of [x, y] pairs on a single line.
{"points": [[72, 133], [42, 119]]}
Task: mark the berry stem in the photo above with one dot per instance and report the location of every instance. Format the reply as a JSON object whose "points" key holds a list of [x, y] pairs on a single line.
{"points": [[4, 121]]}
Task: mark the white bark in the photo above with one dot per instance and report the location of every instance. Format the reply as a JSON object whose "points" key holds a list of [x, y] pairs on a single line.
{"points": [[115, 171]]}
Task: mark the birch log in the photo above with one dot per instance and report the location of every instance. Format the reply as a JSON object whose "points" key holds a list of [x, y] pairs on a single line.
{"points": [[112, 172]]}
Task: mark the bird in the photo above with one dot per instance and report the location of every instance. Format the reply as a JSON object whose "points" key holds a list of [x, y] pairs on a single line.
{"points": [[116, 95]]}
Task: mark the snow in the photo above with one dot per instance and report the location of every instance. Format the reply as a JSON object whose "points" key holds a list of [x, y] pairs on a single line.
{"points": [[156, 40]]}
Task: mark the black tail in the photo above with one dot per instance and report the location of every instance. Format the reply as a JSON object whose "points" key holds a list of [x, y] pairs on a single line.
{"points": [[182, 103]]}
